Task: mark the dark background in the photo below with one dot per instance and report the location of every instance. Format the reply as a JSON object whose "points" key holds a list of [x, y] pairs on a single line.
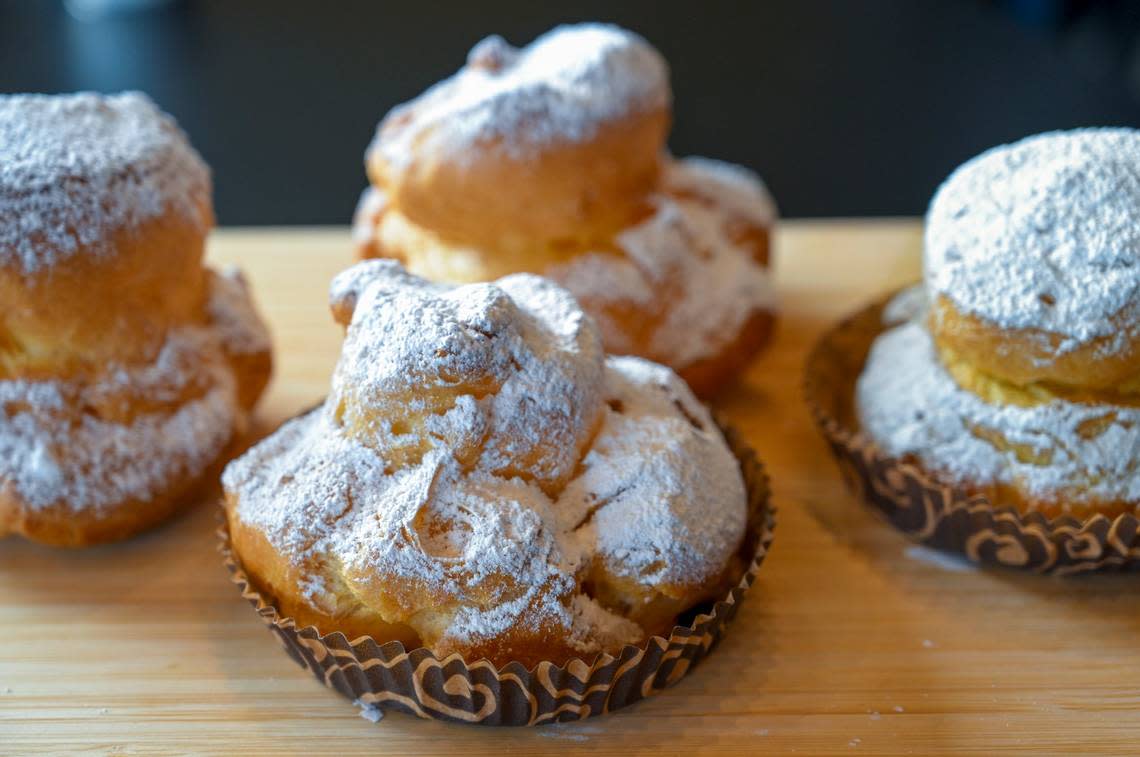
{"points": [[846, 107]]}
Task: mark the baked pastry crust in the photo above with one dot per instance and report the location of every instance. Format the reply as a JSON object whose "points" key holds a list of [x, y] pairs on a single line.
{"points": [[483, 480], [127, 367], [550, 160], [1032, 256], [531, 143], [1099, 369]]}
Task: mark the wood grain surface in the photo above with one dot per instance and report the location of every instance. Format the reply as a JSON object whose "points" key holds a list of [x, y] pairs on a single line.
{"points": [[853, 641]]}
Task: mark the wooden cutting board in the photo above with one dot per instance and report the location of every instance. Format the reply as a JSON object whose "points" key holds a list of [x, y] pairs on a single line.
{"points": [[852, 641]]}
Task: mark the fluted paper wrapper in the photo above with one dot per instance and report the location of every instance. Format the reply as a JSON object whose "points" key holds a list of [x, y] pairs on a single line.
{"points": [[939, 515], [453, 689]]}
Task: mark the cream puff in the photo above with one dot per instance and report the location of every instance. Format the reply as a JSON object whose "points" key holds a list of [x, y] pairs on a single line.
{"points": [[551, 159], [126, 365], [484, 480], [1020, 380]]}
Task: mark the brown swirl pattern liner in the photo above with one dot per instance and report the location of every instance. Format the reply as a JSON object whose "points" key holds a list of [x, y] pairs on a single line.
{"points": [[452, 689], [939, 515]]}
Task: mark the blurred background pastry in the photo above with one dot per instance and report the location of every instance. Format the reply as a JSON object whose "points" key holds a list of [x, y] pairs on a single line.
{"points": [[551, 159], [482, 479], [1021, 378], [126, 365]]}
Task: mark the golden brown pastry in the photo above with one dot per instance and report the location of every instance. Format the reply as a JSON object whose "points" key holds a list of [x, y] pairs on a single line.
{"points": [[483, 480], [126, 366], [1020, 381], [550, 159]]}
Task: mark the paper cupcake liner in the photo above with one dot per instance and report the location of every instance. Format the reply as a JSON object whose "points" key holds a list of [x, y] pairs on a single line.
{"points": [[939, 515], [452, 689]]}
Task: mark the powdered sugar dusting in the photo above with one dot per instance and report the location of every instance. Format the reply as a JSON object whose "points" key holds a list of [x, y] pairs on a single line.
{"points": [[76, 168], [679, 257], [655, 493], [734, 188], [512, 367], [910, 405], [1043, 234], [561, 87], [663, 481], [231, 312], [700, 239], [907, 305], [131, 431], [54, 452]]}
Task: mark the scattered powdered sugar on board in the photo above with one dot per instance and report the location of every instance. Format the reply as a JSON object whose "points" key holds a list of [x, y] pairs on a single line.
{"points": [[686, 257], [75, 169], [369, 711], [910, 405], [561, 87], [574, 731], [1043, 234], [939, 559], [657, 489]]}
